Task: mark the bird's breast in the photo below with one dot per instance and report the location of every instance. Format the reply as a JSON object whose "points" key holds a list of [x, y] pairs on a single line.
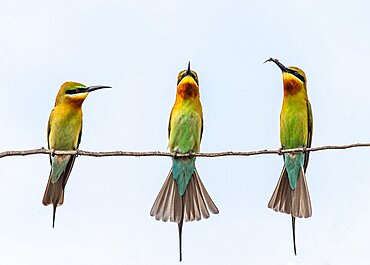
{"points": [[294, 124], [65, 127], [186, 126]]}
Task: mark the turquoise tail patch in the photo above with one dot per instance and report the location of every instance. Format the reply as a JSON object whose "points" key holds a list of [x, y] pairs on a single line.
{"points": [[293, 164], [182, 170], [58, 166]]}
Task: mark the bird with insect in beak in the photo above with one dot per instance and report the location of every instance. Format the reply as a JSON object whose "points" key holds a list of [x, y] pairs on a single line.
{"points": [[183, 196], [64, 133], [291, 194]]}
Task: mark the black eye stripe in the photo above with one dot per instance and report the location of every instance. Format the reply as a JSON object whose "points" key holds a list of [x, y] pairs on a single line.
{"points": [[297, 74], [74, 91]]}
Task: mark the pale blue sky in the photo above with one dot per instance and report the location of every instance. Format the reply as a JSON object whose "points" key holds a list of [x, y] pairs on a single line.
{"points": [[138, 47]]}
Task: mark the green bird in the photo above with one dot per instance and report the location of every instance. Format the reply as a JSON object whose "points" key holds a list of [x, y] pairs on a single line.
{"points": [[183, 195], [291, 194], [64, 133]]}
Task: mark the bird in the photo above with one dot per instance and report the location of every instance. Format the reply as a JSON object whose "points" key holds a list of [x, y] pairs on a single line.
{"points": [[64, 133], [291, 195], [183, 196]]}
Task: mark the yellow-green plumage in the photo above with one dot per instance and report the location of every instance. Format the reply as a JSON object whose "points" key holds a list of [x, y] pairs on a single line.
{"points": [[183, 195], [295, 123], [64, 133], [291, 194], [185, 131]]}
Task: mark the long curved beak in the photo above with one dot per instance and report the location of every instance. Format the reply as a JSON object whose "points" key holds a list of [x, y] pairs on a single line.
{"points": [[188, 71], [276, 61], [93, 88]]}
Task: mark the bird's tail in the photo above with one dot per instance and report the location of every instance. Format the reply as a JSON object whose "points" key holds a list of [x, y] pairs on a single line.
{"points": [[293, 230], [179, 227], [194, 205], [54, 194], [60, 169], [295, 202]]}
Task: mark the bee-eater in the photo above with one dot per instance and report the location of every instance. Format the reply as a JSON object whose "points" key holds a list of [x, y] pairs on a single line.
{"points": [[183, 195], [291, 194], [64, 133]]}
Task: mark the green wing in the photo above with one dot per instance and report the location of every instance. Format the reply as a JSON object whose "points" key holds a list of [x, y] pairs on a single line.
{"points": [[169, 125], [79, 138], [61, 166], [309, 138], [48, 134], [201, 131], [71, 161]]}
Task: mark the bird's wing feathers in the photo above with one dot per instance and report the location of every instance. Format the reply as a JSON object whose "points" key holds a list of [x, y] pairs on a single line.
{"points": [[169, 124], [61, 165], [310, 129], [48, 133], [79, 138], [201, 130]]}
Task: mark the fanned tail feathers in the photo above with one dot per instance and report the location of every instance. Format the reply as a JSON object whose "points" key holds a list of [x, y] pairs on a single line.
{"points": [[194, 205], [294, 202]]}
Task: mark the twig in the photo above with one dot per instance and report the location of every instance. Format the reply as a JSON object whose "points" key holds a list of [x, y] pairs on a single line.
{"points": [[158, 153]]}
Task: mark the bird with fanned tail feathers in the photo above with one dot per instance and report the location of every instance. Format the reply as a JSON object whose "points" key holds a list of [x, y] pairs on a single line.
{"points": [[291, 194], [183, 196]]}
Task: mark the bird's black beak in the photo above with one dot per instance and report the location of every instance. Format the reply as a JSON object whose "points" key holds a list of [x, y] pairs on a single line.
{"points": [[276, 61], [93, 88], [188, 71]]}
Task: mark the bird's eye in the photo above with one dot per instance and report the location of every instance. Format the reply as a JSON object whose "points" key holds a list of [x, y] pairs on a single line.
{"points": [[77, 90], [296, 73]]}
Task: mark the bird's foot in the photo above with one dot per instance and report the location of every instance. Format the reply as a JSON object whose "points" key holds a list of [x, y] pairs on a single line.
{"points": [[280, 151], [52, 152]]}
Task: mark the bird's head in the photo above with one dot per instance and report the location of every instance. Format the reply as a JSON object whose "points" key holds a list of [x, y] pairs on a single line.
{"points": [[294, 78], [187, 83], [74, 93]]}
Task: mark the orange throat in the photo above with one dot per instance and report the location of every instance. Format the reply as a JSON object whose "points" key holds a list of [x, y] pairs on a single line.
{"points": [[291, 86], [187, 90]]}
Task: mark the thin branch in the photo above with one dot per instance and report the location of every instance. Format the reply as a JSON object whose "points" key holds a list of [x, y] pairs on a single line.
{"points": [[158, 153]]}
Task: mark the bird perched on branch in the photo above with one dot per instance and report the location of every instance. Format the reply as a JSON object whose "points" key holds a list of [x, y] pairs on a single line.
{"points": [[64, 133], [183, 196], [291, 194]]}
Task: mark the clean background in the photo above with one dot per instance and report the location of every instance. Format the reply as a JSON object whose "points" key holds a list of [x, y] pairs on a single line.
{"points": [[138, 47]]}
